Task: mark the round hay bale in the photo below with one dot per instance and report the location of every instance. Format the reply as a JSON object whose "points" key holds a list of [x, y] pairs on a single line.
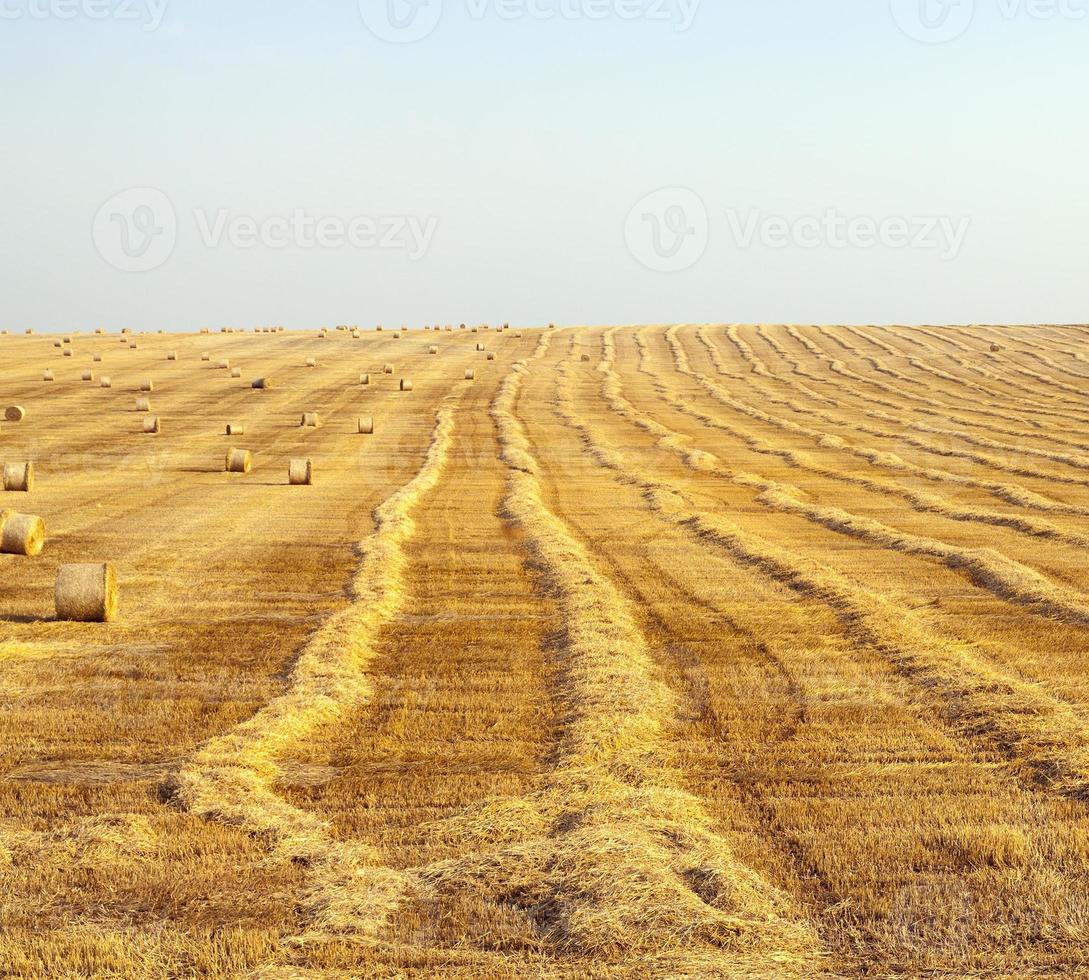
{"points": [[387, 369], [205, 356], [378, 329], [172, 355], [432, 349], [19, 477], [236, 372], [491, 355], [57, 344], [406, 385], [147, 385], [585, 358], [470, 374], [88, 376], [300, 473], [132, 347], [239, 461], [366, 425], [397, 335], [21, 534], [311, 362], [364, 379], [105, 382], [518, 335], [67, 352], [15, 413], [236, 428], [143, 404], [151, 425], [47, 375], [97, 358], [311, 420], [995, 349], [480, 347], [86, 593], [262, 383], [224, 365]]}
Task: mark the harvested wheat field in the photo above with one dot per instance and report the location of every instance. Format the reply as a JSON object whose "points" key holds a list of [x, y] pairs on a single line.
{"points": [[664, 651]]}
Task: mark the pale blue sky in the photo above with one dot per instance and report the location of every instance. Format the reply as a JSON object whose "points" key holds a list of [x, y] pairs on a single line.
{"points": [[524, 144]]}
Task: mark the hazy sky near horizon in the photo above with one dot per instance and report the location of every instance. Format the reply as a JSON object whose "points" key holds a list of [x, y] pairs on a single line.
{"points": [[186, 163]]}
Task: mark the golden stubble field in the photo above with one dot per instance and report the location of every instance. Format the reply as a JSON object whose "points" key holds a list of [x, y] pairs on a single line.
{"points": [[665, 651]]}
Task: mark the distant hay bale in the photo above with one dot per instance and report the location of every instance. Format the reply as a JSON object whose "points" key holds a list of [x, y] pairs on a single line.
{"points": [[21, 534], [172, 355], [47, 375], [57, 344], [311, 420], [205, 356], [239, 461], [147, 385], [491, 355], [378, 329], [67, 352], [86, 593], [132, 346], [300, 472], [480, 347], [406, 385], [236, 372], [15, 413], [97, 358], [105, 382], [224, 365], [18, 477], [236, 428], [518, 335], [66, 340], [397, 335], [470, 374], [311, 362], [366, 425], [151, 425], [387, 369], [432, 349], [364, 379], [262, 383], [143, 404], [585, 358], [995, 349], [99, 330], [87, 375]]}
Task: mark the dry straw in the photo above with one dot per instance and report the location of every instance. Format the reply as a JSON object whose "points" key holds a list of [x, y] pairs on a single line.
{"points": [[406, 385], [21, 534], [239, 461], [15, 413], [86, 593], [151, 425], [300, 472], [366, 425], [311, 420], [236, 428], [19, 477]]}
